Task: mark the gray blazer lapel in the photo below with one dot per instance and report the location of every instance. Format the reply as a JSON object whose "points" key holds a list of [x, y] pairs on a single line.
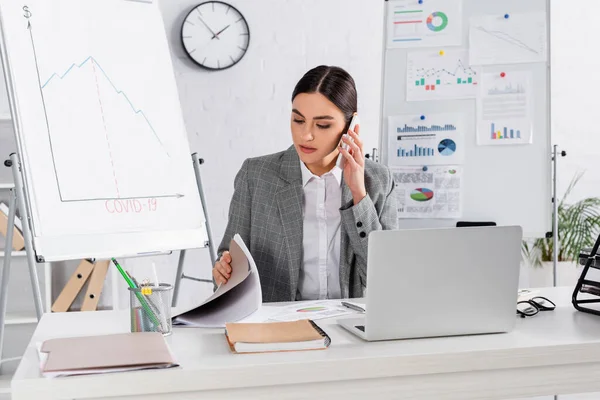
{"points": [[289, 201], [344, 245]]}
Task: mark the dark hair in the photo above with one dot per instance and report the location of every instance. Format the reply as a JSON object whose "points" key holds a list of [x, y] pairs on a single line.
{"points": [[335, 84]]}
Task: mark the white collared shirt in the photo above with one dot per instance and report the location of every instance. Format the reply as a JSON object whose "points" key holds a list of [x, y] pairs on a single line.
{"points": [[320, 273]]}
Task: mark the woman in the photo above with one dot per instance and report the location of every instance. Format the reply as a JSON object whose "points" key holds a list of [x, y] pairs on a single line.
{"points": [[305, 221]]}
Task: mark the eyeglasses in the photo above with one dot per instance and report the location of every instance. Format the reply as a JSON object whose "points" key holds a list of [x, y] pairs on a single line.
{"points": [[531, 307]]}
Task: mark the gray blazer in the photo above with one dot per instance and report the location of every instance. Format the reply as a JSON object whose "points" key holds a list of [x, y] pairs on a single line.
{"points": [[266, 211]]}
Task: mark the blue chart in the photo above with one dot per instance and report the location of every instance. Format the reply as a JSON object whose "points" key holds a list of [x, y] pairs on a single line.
{"points": [[416, 151], [423, 128], [433, 139], [447, 147], [115, 142]]}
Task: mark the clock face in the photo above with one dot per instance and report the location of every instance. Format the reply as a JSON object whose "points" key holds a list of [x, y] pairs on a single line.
{"points": [[215, 35]]}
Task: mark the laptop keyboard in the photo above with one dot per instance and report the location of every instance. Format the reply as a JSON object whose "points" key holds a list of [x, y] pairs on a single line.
{"points": [[360, 327]]}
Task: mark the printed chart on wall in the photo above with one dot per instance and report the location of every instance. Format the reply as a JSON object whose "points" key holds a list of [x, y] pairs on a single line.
{"points": [[520, 38], [437, 140], [504, 109], [432, 23], [435, 193], [431, 76]]}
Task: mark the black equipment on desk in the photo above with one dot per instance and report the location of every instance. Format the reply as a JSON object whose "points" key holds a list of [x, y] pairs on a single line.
{"points": [[589, 258]]}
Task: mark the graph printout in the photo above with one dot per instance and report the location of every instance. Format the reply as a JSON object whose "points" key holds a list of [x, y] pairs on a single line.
{"points": [[436, 140], [504, 109], [435, 193], [431, 76], [101, 130], [520, 38], [430, 23]]}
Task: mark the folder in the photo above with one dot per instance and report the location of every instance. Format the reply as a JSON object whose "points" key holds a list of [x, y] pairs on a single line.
{"points": [[276, 336], [106, 353]]}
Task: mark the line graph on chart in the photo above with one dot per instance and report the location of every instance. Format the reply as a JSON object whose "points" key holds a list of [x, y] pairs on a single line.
{"points": [[103, 146], [521, 38], [431, 76], [507, 38]]}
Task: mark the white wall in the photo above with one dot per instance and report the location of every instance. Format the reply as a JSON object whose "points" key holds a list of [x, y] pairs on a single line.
{"points": [[575, 88]]}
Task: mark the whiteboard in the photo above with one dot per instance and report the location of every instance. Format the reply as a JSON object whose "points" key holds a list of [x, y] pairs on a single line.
{"points": [[100, 133], [505, 184]]}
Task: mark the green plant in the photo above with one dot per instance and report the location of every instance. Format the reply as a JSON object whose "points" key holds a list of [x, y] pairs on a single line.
{"points": [[578, 227]]}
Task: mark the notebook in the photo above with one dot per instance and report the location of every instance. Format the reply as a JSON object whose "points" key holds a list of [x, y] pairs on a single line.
{"points": [[276, 336], [105, 353]]}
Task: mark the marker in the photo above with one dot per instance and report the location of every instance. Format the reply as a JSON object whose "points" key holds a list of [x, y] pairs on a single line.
{"points": [[132, 285], [353, 307]]}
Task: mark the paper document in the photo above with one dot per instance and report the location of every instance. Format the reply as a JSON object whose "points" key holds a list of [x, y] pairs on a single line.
{"points": [[313, 310], [437, 140], [520, 38], [504, 109], [432, 76], [435, 193], [239, 298], [432, 23]]}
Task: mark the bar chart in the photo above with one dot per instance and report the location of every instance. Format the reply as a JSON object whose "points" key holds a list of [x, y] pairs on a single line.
{"points": [[416, 151], [423, 128], [504, 133]]}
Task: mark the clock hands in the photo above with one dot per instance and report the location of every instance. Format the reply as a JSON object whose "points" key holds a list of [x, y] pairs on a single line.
{"points": [[221, 31], [211, 31]]}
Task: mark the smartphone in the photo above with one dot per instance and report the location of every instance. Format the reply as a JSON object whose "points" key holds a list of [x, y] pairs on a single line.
{"points": [[355, 121]]}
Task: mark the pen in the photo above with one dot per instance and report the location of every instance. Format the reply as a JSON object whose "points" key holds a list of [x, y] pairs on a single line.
{"points": [[143, 302], [353, 307]]}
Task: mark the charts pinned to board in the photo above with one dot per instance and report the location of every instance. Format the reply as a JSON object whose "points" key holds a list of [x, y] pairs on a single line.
{"points": [[504, 109], [432, 23], [437, 140], [520, 38], [435, 193], [431, 76]]}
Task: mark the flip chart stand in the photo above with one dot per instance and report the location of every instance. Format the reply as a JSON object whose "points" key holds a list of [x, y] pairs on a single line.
{"points": [[210, 244], [17, 200]]}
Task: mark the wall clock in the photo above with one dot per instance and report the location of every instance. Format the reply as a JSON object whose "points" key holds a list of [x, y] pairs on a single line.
{"points": [[215, 35]]}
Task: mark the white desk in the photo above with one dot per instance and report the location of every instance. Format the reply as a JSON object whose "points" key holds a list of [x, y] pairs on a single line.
{"points": [[555, 352]]}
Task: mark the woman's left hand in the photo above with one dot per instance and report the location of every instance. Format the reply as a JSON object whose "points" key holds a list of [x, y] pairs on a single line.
{"points": [[354, 165]]}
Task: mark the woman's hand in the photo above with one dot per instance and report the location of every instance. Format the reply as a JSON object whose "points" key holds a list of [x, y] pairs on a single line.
{"points": [[222, 269], [354, 167]]}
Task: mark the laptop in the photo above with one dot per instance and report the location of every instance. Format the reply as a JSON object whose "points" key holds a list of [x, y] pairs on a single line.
{"points": [[440, 282]]}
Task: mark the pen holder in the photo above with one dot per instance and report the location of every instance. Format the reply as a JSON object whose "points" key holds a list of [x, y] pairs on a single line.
{"points": [[150, 308]]}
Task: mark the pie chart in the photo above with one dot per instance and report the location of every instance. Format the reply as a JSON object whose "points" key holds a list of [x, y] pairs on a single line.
{"points": [[447, 147], [421, 194], [437, 21]]}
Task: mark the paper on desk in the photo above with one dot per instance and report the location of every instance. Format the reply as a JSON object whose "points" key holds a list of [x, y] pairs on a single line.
{"points": [[239, 298], [313, 310]]}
